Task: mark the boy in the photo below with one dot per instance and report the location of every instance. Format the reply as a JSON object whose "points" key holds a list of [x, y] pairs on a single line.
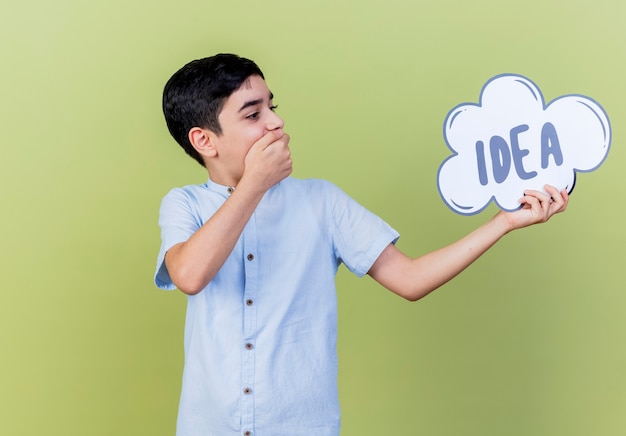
{"points": [[256, 251]]}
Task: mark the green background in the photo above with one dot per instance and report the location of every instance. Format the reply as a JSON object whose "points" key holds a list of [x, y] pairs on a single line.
{"points": [[528, 341]]}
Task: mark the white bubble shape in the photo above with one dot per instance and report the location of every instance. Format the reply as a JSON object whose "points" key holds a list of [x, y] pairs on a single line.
{"points": [[512, 141]]}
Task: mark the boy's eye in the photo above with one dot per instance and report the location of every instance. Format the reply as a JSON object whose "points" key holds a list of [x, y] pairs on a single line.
{"points": [[257, 114]]}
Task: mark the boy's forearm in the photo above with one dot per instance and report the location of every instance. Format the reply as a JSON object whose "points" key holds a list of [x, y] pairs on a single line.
{"points": [[415, 278], [194, 263], [438, 267]]}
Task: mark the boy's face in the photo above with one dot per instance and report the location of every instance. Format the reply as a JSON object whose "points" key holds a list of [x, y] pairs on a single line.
{"points": [[248, 114]]}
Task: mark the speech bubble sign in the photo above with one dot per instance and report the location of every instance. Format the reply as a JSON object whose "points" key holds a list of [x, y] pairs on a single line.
{"points": [[512, 141]]}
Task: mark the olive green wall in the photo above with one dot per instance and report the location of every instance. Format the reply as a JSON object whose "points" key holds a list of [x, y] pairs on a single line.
{"points": [[529, 341]]}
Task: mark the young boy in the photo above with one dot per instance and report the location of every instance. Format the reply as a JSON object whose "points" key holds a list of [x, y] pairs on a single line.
{"points": [[256, 251]]}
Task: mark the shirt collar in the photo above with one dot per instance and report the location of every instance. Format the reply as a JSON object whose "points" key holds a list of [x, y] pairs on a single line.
{"points": [[223, 190]]}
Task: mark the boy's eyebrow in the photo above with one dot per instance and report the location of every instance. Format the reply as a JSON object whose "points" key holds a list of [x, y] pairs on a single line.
{"points": [[254, 102]]}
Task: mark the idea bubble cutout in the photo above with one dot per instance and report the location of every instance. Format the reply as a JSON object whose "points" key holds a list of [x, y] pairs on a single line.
{"points": [[512, 141]]}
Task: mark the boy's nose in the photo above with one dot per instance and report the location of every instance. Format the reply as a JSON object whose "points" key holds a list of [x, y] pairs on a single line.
{"points": [[275, 122]]}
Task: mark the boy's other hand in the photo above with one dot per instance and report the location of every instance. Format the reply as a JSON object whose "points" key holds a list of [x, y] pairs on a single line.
{"points": [[269, 160], [537, 207]]}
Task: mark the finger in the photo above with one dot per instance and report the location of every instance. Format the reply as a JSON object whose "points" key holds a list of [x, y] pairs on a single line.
{"points": [[565, 196], [542, 196], [540, 201], [530, 201], [269, 138], [559, 200], [539, 205], [283, 140]]}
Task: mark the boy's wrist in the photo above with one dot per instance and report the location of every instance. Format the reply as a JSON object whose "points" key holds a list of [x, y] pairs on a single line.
{"points": [[502, 223], [251, 186]]}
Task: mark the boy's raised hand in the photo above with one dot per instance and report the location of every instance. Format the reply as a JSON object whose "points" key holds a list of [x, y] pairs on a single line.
{"points": [[537, 207], [194, 263], [269, 160]]}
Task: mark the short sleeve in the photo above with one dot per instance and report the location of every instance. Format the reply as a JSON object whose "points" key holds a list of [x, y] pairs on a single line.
{"points": [[178, 221], [359, 236]]}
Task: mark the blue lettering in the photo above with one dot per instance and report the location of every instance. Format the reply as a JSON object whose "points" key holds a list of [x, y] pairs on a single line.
{"points": [[500, 158], [518, 153], [550, 146], [482, 167], [502, 154]]}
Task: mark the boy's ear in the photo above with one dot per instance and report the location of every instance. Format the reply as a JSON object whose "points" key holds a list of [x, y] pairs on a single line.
{"points": [[203, 141]]}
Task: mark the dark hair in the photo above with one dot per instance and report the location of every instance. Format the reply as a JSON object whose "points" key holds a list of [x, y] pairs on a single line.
{"points": [[195, 95]]}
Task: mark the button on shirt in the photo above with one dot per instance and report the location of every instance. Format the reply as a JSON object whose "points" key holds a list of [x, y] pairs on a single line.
{"points": [[260, 339]]}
